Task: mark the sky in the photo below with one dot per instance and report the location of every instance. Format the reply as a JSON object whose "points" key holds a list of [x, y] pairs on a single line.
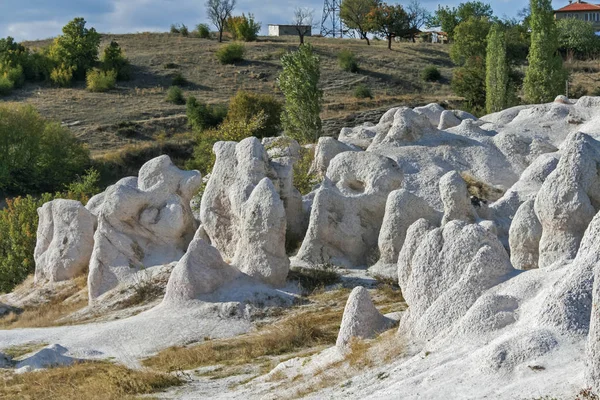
{"points": [[41, 19]]}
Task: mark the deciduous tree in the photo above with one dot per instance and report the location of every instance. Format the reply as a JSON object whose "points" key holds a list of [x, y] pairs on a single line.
{"points": [[389, 22], [354, 14], [218, 11]]}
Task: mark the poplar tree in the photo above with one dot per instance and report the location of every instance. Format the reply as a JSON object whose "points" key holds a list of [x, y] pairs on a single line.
{"points": [[496, 74]]}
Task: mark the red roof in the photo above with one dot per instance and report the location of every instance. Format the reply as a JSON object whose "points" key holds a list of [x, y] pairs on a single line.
{"points": [[579, 6]]}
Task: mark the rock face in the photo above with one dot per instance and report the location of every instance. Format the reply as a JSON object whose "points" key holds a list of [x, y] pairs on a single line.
{"points": [[568, 199], [200, 271], [361, 319], [401, 211], [65, 239], [524, 237], [592, 373], [142, 225], [348, 209], [260, 250], [327, 148], [455, 196]]}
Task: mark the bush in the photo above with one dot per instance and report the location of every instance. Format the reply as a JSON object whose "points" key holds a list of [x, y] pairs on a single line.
{"points": [[245, 105], [243, 28], [299, 82], [76, 48], [202, 31], [175, 95], [431, 74], [231, 53], [202, 116], [174, 29], [84, 187], [62, 76], [311, 279], [101, 81], [362, 92], [178, 80], [113, 59], [184, 31], [347, 61], [6, 85], [303, 179], [16, 76]]}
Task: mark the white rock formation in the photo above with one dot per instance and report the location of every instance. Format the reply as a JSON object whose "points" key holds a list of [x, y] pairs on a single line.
{"points": [[448, 120], [260, 250], [432, 111], [348, 209], [327, 148], [524, 237], [65, 239], [456, 199], [142, 226], [402, 209], [50, 356], [592, 372], [361, 319]]}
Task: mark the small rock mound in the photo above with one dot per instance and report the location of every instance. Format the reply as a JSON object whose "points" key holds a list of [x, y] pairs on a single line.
{"points": [[51, 356]]}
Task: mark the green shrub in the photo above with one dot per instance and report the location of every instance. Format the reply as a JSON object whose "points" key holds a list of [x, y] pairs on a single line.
{"points": [[184, 31], [299, 82], [84, 187], [202, 116], [347, 61], [174, 29], [431, 74], [231, 53], [76, 48], [101, 81], [175, 95], [178, 80], [62, 76], [362, 92], [202, 31], [245, 105], [303, 179], [6, 85], [113, 59], [16, 76], [243, 28], [170, 65]]}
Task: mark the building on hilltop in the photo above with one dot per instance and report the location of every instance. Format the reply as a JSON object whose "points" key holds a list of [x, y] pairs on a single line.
{"points": [[581, 10], [288, 30]]}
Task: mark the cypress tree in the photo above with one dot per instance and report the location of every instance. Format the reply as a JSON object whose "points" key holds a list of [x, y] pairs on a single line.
{"points": [[496, 74]]}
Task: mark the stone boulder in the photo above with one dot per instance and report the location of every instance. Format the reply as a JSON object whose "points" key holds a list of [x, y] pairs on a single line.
{"points": [[408, 126], [260, 250], [456, 199], [524, 237], [348, 209], [432, 111], [327, 148], [50, 356], [143, 225], [361, 319], [448, 120], [65, 240]]}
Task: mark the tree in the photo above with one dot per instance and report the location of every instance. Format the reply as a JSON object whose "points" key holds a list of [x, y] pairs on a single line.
{"points": [[77, 47], [545, 78], [299, 82], [468, 81], [303, 21], [354, 14], [449, 18], [390, 22], [496, 74], [576, 36], [218, 11], [417, 17]]}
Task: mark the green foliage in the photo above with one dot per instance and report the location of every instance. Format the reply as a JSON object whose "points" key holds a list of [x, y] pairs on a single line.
{"points": [[11, 52], [178, 80], [14, 74], [175, 95], [62, 76], [390, 22], [174, 29], [38, 66], [303, 179], [347, 61], [6, 85], [496, 76], [431, 74], [245, 105], [243, 28], [202, 31], [113, 59], [468, 81], [231, 53], [36, 155], [449, 18], [545, 78], [184, 31], [354, 14], [577, 37], [101, 81], [362, 91], [299, 82], [202, 116], [77, 47], [85, 186], [470, 39]]}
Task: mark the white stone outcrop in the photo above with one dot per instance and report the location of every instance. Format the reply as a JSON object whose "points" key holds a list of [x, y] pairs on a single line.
{"points": [[50, 356], [432, 111], [361, 319], [142, 225], [200, 271], [348, 209], [65, 239], [448, 120], [408, 126], [260, 250], [592, 372], [327, 148], [456, 199], [524, 237]]}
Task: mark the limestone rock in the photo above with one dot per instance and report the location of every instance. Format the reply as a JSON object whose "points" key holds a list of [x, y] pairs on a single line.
{"points": [[65, 239], [200, 271], [402, 209], [50, 356], [448, 120], [142, 226], [592, 372], [348, 209], [456, 199], [408, 126], [432, 111], [361, 319], [524, 237], [260, 251], [327, 148]]}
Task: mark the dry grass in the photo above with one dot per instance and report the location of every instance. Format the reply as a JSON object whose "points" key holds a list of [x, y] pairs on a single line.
{"points": [[15, 352], [481, 189], [90, 381], [50, 313]]}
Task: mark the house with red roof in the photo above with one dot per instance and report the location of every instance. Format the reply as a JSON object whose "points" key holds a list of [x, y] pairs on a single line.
{"points": [[581, 10]]}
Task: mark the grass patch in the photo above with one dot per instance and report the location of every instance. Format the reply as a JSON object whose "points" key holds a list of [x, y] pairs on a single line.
{"points": [[481, 189], [89, 380], [310, 279]]}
